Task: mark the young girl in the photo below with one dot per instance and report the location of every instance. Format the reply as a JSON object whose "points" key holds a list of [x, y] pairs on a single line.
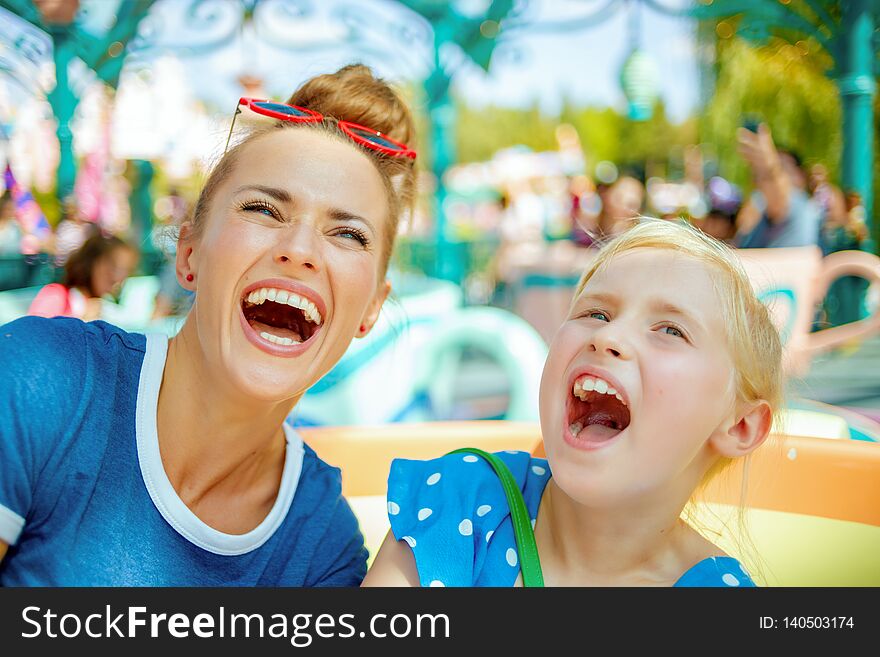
{"points": [[666, 369]]}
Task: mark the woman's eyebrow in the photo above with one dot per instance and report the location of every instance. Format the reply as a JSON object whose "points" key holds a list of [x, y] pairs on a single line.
{"points": [[337, 214], [280, 195]]}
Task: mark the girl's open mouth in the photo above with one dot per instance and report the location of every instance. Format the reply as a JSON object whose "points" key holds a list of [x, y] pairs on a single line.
{"points": [[596, 413], [279, 321]]}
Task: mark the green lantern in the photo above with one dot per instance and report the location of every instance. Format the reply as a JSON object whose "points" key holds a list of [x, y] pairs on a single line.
{"points": [[639, 81]]}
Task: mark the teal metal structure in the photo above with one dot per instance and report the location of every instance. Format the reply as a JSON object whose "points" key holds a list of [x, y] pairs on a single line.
{"points": [[104, 54]]}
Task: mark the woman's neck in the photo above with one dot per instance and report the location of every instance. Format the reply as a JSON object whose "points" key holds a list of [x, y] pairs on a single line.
{"points": [[643, 544], [213, 440]]}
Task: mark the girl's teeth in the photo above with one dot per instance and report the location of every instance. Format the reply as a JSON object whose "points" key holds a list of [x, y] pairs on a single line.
{"points": [[589, 385], [601, 386], [281, 296], [271, 295], [575, 428]]}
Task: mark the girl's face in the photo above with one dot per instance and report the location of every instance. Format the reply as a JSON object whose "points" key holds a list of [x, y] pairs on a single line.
{"points": [[111, 270], [287, 267], [638, 380]]}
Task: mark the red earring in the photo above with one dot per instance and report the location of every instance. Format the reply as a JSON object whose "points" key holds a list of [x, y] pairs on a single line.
{"points": [[363, 328], [190, 277]]}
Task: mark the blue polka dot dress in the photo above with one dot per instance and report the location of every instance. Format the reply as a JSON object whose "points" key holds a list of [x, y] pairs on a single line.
{"points": [[453, 514]]}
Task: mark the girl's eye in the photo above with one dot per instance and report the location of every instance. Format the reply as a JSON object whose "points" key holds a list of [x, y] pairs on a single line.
{"points": [[671, 330], [598, 314]]}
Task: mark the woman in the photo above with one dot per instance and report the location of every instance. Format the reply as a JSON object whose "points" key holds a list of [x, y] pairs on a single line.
{"points": [[168, 463], [98, 268]]}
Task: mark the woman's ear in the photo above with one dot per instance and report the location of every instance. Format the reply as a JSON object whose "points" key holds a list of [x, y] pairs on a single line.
{"points": [[372, 313], [184, 260], [751, 426]]}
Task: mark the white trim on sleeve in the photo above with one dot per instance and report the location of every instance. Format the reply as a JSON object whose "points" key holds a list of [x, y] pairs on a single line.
{"points": [[11, 525]]}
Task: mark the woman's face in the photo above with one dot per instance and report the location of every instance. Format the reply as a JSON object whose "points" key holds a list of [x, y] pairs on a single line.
{"points": [[637, 381], [289, 265], [111, 270]]}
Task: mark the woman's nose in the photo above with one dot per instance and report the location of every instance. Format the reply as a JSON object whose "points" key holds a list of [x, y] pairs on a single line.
{"points": [[300, 246]]}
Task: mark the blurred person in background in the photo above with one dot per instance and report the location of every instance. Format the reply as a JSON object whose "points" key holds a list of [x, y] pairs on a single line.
{"points": [[72, 232], [724, 200], [10, 231], [609, 211], [96, 270], [779, 212]]}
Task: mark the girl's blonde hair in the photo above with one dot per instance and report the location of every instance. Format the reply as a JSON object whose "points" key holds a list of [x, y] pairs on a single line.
{"points": [[753, 339]]}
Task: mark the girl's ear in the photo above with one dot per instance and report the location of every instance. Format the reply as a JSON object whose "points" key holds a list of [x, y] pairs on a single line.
{"points": [[750, 428]]}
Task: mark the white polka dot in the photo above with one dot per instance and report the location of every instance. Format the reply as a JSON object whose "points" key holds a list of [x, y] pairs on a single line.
{"points": [[534, 520], [410, 540], [511, 557], [434, 478], [538, 470], [792, 454], [489, 535], [436, 582], [466, 527], [730, 580], [470, 458], [424, 513], [483, 510], [743, 570], [510, 451], [393, 508]]}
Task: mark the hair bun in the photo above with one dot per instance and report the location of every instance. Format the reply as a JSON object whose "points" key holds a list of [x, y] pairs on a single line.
{"points": [[354, 94]]}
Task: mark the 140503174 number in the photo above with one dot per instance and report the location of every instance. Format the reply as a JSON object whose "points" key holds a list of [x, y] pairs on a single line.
{"points": [[818, 622]]}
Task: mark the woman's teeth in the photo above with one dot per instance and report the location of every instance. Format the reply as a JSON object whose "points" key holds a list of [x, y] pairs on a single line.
{"points": [[585, 384], [277, 340], [310, 310]]}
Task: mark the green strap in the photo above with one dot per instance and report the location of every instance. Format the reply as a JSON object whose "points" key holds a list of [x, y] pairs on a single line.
{"points": [[530, 564]]}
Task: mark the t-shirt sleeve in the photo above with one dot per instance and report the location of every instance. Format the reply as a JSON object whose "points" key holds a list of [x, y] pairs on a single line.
{"points": [[724, 572], [38, 389], [343, 547]]}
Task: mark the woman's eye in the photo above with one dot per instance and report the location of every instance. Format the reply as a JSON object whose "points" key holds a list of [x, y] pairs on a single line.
{"points": [[260, 208], [351, 234]]}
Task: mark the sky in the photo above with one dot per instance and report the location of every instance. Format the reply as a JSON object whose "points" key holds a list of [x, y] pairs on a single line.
{"points": [[527, 68]]}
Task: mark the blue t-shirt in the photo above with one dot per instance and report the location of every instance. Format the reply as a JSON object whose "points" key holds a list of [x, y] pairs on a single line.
{"points": [[453, 514], [85, 501]]}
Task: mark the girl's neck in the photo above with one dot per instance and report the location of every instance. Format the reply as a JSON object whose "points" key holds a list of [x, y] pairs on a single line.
{"points": [[643, 544], [211, 437]]}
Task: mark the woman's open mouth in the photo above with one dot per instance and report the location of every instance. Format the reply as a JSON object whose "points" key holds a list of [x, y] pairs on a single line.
{"points": [[596, 413], [279, 321]]}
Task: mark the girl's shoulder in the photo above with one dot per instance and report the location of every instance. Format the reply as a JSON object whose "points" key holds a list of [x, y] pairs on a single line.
{"points": [[717, 572], [454, 515], [456, 479]]}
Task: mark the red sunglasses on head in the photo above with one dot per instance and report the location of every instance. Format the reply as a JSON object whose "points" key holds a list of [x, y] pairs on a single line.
{"points": [[372, 139]]}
